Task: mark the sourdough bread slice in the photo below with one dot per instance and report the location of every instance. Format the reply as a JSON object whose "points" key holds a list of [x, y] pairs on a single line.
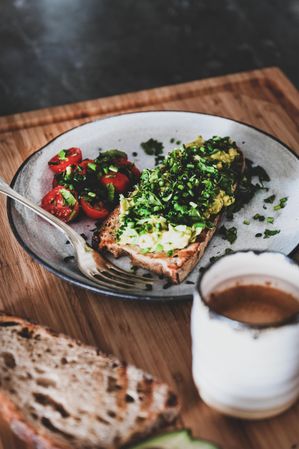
{"points": [[56, 393], [176, 267]]}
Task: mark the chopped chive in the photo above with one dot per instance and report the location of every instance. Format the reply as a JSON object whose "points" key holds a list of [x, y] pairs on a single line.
{"points": [[282, 203], [259, 234], [270, 219], [270, 232], [270, 199], [246, 222], [259, 217], [92, 166]]}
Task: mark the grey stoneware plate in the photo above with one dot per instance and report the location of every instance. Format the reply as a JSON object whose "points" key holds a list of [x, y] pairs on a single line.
{"points": [[125, 132]]}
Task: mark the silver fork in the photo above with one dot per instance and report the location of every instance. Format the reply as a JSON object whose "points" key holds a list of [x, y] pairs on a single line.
{"points": [[90, 262]]}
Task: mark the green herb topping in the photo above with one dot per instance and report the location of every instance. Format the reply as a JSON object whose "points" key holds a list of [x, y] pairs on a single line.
{"points": [[180, 197]]}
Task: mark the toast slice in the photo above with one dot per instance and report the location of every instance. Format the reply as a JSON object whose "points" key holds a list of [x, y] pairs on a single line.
{"points": [[176, 267], [56, 393]]}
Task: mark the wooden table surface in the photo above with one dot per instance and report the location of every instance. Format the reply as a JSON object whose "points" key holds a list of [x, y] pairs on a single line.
{"points": [[155, 337]]}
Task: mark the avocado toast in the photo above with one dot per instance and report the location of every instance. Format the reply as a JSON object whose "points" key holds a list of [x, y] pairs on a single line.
{"points": [[166, 223]]}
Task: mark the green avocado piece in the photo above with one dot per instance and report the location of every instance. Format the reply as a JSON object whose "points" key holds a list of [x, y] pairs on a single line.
{"points": [[180, 439]]}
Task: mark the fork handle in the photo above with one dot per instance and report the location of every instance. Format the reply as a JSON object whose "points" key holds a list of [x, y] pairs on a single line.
{"points": [[72, 235]]}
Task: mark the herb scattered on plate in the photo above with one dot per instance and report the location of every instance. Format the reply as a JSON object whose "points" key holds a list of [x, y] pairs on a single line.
{"points": [[153, 147], [229, 234], [270, 232], [282, 203]]}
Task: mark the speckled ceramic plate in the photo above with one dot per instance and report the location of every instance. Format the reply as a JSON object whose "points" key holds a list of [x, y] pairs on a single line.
{"points": [[48, 246]]}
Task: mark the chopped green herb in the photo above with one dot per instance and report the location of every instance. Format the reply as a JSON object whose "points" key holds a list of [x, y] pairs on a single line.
{"points": [[91, 194], [92, 166], [62, 155], [270, 232], [68, 197], [259, 234], [172, 140], [282, 203], [111, 192], [178, 142], [270, 219], [264, 207], [154, 148], [246, 222], [134, 154], [170, 253], [259, 217], [226, 253], [246, 188], [229, 234], [270, 199]]}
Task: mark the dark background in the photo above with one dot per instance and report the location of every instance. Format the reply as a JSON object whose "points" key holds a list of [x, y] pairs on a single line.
{"points": [[60, 51]]}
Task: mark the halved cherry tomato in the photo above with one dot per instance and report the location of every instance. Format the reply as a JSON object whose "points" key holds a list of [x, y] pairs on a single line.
{"points": [[96, 211], [123, 162], [84, 165], [120, 181], [62, 203], [64, 158]]}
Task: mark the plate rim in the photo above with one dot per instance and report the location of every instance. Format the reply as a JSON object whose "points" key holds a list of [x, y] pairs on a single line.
{"points": [[122, 296]]}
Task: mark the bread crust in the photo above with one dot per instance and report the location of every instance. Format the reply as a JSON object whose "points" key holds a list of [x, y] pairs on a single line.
{"points": [[176, 267], [40, 438]]}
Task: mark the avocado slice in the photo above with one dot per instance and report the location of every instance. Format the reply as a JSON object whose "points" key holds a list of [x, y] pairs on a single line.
{"points": [[180, 439]]}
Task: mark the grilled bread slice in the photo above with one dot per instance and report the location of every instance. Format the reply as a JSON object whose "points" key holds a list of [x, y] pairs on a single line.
{"points": [[56, 393], [176, 267]]}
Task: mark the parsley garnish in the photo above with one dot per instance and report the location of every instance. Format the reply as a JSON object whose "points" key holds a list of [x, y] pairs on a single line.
{"points": [[229, 234], [259, 234], [269, 233], [154, 148], [62, 155], [68, 197], [282, 203], [270, 199], [270, 220], [259, 217]]}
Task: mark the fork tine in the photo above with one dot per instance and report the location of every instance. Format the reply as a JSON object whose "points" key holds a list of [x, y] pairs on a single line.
{"points": [[109, 285], [103, 275], [129, 275]]}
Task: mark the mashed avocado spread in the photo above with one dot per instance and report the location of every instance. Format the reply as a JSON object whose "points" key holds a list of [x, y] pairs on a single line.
{"points": [[175, 201]]}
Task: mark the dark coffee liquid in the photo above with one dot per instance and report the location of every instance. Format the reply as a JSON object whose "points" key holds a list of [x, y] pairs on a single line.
{"points": [[254, 304]]}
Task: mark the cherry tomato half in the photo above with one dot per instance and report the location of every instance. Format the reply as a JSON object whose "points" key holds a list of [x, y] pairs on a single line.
{"points": [[96, 211], [123, 162], [64, 158], [120, 181], [62, 203], [84, 165]]}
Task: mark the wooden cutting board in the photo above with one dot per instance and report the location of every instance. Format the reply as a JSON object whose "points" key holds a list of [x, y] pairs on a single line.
{"points": [[155, 337]]}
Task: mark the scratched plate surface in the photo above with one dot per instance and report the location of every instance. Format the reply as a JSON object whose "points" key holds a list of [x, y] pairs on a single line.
{"points": [[125, 132]]}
